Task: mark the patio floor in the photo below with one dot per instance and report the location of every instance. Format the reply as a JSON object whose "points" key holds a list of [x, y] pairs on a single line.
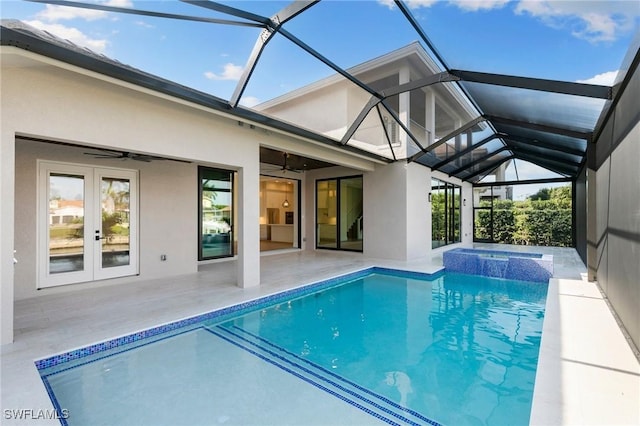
{"points": [[587, 374]]}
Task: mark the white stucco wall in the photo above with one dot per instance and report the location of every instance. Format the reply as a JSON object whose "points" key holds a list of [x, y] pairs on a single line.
{"points": [[418, 211], [324, 112], [385, 210], [397, 213], [56, 103], [168, 206]]}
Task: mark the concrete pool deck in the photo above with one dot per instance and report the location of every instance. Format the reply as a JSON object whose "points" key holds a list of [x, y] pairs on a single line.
{"points": [[587, 373]]}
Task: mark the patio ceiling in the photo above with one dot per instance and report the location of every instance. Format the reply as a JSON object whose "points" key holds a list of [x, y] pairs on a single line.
{"points": [[546, 122]]}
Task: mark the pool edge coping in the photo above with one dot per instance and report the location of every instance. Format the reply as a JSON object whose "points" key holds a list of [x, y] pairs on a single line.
{"points": [[73, 354]]}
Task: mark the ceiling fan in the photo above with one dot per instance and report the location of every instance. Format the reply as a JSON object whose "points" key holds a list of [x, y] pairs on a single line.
{"points": [[126, 155], [285, 167]]}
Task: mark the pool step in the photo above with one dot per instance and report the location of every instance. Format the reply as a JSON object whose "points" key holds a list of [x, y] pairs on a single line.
{"points": [[374, 404]]}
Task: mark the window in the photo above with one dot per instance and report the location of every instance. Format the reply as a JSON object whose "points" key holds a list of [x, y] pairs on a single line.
{"points": [[215, 213], [339, 214], [445, 213]]}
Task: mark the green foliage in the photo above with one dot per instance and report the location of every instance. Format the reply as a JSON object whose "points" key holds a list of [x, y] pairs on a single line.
{"points": [[112, 224], [542, 194], [535, 221]]}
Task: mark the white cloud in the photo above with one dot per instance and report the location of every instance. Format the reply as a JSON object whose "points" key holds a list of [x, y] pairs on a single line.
{"points": [[471, 5], [230, 72], [475, 5], [74, 35], [412, 4], [144, 24], [595, 21], [64, 13], [249, 101], [604, 79]]}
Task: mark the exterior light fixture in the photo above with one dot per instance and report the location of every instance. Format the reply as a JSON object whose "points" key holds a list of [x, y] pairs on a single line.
{"points": [[285, 204], [464, 201], [429, 197]]}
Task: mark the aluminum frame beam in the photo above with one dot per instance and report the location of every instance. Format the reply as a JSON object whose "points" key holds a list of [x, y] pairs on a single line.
{"points": [[277, 20], [448, 137], [545, 145], [116, 9], [386, 134], [478, 160], [541, 127], [539, 84], [442, 77], [239, 13], [326, 61], [571, 168], [554, 169], [489, 168], [401, 124], [547, 157], [522, 182], [467, 150], [416, 26]]}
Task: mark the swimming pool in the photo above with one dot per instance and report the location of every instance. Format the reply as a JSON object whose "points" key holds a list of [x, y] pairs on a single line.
{"points": [[376, 346]]}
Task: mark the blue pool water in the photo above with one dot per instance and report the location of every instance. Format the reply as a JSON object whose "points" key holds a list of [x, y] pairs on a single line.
{"points": [[455, 349]]}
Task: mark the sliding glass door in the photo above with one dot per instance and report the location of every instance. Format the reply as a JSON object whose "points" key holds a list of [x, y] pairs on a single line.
{"points": [[445, 213], [339, 214]]}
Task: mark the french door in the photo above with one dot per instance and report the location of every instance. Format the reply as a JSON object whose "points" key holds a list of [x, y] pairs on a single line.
{"points": [[87, 223]]}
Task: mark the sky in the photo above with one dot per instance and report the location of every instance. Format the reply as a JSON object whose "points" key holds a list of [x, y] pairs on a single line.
{"points": [[574, 40]]}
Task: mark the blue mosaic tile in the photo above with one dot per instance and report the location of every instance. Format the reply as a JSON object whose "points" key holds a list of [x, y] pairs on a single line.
{"points": [[220, 314], [519, 266]]}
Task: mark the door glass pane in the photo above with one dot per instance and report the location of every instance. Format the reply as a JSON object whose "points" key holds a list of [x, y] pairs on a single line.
{"points": [[115, 196], [351, 213], [216, 214], [457, 223], [66, 223], [327, 213], [438, 215]]}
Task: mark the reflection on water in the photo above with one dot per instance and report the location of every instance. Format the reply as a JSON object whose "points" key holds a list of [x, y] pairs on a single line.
{"points": [[74, 262], [458, 350]]}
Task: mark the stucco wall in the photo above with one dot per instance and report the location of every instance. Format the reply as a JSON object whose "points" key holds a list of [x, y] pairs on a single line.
{"points": [[323, 112], [168, 206], [385, 209], [57, 104], [397, 214]]}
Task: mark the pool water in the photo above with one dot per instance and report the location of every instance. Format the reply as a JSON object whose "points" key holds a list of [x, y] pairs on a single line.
{"points": [[455, 349]]}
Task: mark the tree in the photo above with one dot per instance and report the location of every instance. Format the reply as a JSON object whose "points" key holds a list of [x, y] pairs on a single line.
{"points": [[542, 194], [542, 219]]}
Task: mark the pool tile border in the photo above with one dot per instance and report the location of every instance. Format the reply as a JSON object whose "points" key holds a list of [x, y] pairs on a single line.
{"points": [[220, 314]]}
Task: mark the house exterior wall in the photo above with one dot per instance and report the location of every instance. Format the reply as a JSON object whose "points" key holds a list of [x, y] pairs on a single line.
{"points": [[168, 206], [385, 212], [397, 214], [54, 103], [324, 112]]}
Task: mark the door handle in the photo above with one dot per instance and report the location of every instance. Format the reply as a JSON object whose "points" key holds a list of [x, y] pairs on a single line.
{"points": [[98, 238]]}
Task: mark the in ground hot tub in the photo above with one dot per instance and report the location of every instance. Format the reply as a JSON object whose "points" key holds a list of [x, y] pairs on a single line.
{"points": [[501, 264]]}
